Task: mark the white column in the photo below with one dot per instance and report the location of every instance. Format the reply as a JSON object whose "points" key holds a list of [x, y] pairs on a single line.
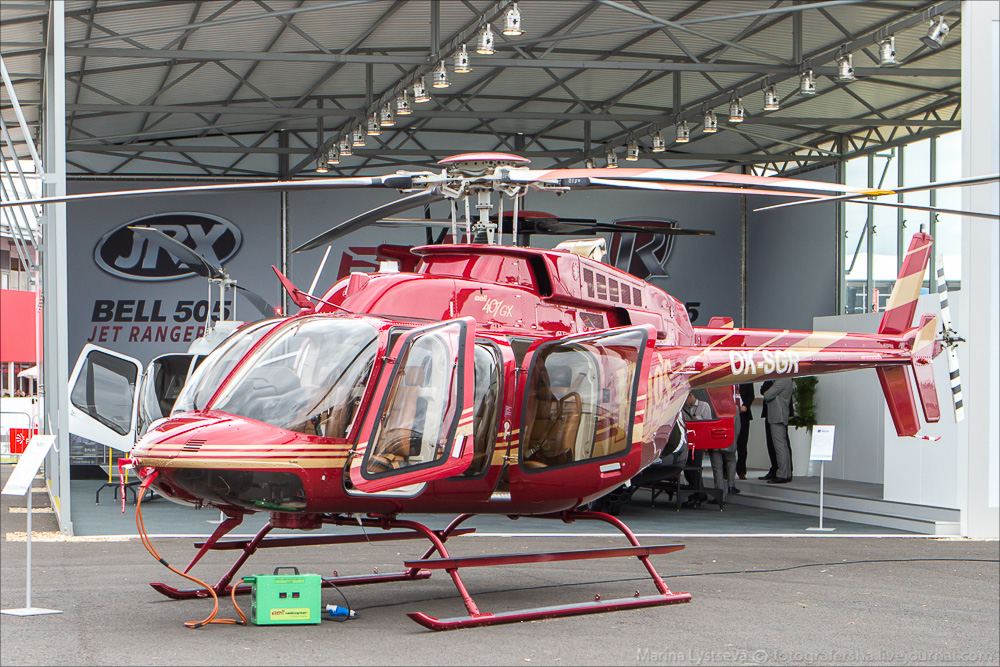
{"points": [[56, 347], [979, 323]]}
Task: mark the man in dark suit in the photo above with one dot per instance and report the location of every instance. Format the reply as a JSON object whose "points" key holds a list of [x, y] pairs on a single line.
{"points": [[746, 398], [777, 398], [767, 435]]}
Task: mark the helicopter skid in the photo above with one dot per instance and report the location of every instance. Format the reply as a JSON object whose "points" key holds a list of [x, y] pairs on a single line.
{"points": [[249, 547], [519, 616], [477, 618]]}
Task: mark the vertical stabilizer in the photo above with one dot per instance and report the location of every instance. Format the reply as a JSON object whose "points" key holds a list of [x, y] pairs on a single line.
{"points": [[898, 316]]}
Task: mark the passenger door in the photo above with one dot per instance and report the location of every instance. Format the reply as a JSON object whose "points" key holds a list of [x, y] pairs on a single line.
{"points": [[104, 398], [579, 410], [418, 426]]}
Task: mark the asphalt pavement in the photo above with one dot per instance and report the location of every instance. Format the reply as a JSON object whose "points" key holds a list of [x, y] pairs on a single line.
{"points": [[756, 600]]}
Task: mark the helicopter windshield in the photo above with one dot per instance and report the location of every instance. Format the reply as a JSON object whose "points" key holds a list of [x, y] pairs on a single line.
{"points": [[216, 367], [309, 377]]}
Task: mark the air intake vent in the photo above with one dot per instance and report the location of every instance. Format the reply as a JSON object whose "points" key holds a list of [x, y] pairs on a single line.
{"points": [[588, 280], [602, 287], [592, 321], [614, 289], [626, 295], [637, 296], [192, 445]]}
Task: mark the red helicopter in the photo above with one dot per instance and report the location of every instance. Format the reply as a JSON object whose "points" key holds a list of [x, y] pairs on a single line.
{"points": [[491, 379]]}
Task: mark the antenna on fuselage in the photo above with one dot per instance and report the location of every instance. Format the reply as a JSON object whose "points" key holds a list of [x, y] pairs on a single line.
{"points": [[312, 286]]}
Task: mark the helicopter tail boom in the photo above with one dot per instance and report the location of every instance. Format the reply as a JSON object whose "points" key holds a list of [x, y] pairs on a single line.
{"points": [[731, 356]]}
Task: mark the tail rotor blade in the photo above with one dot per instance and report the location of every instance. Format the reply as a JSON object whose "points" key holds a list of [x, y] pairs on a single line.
{"points": [[950, 341]]}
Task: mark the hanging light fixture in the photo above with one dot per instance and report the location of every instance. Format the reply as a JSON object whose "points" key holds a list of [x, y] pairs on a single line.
{"points": [[611, 156], [358, 136], [683, 132], [403, 104], [736, 110], [807, 83], [345, 147], [462, 60], [887, 52], [440, 77], [711, 123], [512, 20], [386, 117], [589, 163], [374, 127], [771, 101], [321, 167], [484, 44], [936, 34], [333, 155], [845, 68], [632, 150], [659, 145], [420, 91]]}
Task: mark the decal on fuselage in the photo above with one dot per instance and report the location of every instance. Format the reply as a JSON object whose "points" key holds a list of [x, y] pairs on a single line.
{"points": [[763, 362]]}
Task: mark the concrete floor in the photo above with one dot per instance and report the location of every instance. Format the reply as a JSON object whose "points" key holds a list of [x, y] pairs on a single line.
{"points": [[162, 517], [757, 600]]}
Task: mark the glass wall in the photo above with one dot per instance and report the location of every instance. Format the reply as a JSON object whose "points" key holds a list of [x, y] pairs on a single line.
{"points": [[876, 237]]}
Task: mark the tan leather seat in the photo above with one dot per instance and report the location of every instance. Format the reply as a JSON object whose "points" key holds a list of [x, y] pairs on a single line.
{"points": [[552, 436], [395, 441]]}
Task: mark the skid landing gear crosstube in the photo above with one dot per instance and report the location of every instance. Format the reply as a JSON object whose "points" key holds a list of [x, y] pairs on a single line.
{"points": [[421, 567]]}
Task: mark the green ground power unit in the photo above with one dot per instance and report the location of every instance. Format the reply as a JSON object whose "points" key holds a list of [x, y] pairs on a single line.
{"points": [[285, 599]]}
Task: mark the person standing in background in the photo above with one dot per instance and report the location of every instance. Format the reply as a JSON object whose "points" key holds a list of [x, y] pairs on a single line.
{"points": [[745, 415], [767, 435], [777, 398]]}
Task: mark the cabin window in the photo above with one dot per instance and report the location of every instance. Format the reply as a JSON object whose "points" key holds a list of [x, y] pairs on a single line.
{"points": [[216, 367], [484, 408], [420, 412], [160, 388], [309, 377], [580, 399]]}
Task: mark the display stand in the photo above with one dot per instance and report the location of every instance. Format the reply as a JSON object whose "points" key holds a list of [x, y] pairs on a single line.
{"points": [[20, 482], [822, 451]]}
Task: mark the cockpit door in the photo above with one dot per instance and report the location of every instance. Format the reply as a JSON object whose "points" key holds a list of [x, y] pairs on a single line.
{"points": [[581, 412], [418, 426], [103, 397]]}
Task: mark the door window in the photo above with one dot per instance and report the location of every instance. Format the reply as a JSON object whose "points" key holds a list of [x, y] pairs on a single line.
{"points": [[580, 398], [421, 411], [105, 389], [419, 426]]}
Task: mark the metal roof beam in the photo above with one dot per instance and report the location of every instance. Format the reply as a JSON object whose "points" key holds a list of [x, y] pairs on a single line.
{"points": [[471, 114], [203, 24], [387, 152], [486, 61]]}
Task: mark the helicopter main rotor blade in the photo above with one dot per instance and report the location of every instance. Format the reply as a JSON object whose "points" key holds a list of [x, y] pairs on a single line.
{"points": [[257, 301], [396, 181], [962, 182], [688, 187], [185, 255], [369, 217], [713, 181]]}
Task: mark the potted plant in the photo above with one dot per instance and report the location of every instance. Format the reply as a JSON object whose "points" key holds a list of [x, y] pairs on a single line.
{"points": [[801, 422]]}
